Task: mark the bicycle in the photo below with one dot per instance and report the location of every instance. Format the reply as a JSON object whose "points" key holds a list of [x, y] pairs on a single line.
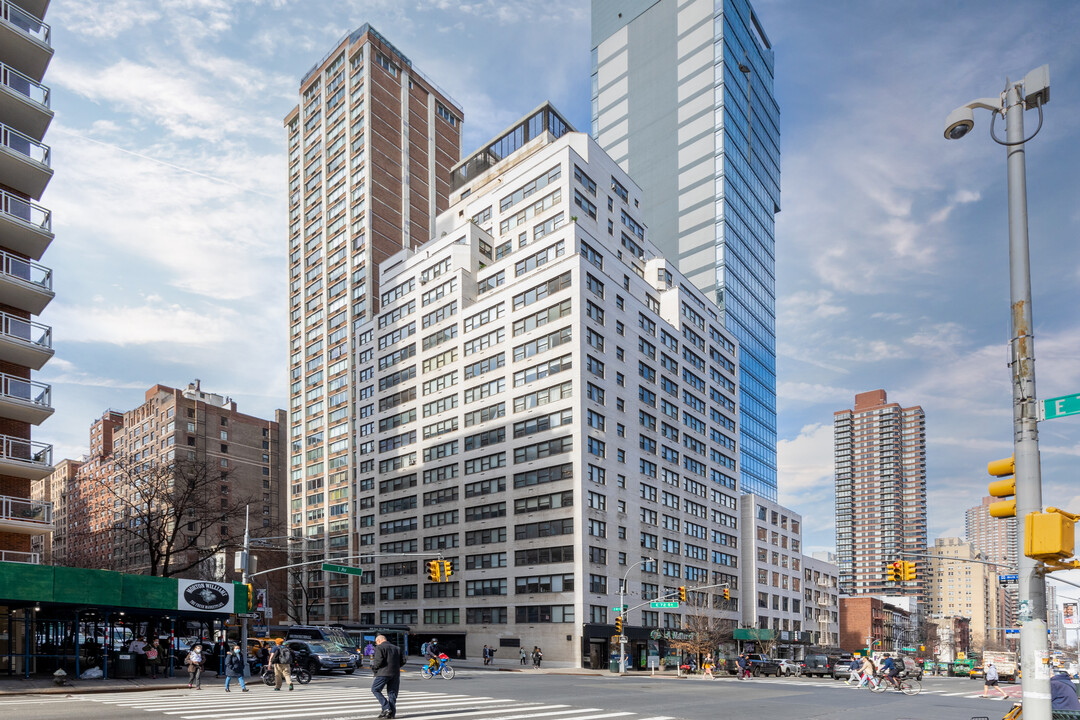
{"points": [[880, 684], [444, 669], [299, 674]]}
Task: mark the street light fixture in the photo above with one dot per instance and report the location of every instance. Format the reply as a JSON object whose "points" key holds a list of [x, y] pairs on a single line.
{"points": [[1033, 92], [622, 610]]}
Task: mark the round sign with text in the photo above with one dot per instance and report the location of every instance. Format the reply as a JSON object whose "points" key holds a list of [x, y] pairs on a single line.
{"points": [[206, 596]]}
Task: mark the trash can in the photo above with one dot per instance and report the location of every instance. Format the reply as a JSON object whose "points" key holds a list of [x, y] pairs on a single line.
{"points": [[123, 666], [614, 666]]}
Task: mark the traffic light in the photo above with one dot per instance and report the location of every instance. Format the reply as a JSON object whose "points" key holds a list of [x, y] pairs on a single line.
{"points": [[1004, 488], [447, 569], [909, 570], [250, 596], [618, 625], [434, 570], [727, 594], [1050, 535], [682, 593], [895, 571]]}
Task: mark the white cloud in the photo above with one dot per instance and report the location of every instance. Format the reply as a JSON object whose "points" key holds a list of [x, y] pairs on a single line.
{"points": [[153, 321]]}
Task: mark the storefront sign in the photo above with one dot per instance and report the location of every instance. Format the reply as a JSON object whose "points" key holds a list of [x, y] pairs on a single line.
{"points": [[204, 595], [676, 635]]}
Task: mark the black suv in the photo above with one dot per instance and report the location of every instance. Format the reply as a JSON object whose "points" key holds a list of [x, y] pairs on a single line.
{"points": [[319, 657], [818, 664], [763, 665]]}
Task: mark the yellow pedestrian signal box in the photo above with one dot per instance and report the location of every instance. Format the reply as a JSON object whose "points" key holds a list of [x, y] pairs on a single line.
{"points": [[434, 569], [250, 597], [682, 593], [1004, 488], [909, 570], [1049, 535], [618, 626]]}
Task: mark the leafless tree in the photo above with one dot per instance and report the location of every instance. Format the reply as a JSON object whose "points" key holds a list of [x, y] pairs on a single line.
{"points": [[705, 631], [168, 517]]}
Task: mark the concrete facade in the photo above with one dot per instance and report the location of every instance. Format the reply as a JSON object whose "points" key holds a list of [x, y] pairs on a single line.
{"points": [[967, 589], [880, 463], [545, 402], [371, 146], [682, 94], [995, 539]]}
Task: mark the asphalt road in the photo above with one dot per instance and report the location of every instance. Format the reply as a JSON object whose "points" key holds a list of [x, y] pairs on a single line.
{"points": [[480, 695]]}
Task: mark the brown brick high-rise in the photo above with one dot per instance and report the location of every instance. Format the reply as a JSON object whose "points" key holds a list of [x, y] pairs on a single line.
{"points": [[371, 146], [880, 455], [25, 285]]}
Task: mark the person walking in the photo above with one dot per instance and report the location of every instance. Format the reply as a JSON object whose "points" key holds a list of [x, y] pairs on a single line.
{"points": [[486, 654], [868, 671], [195, 661], [281, 659], [154, 658], [743, 671], [706, 668], [854, 671], [538, 656], [522, 654], [137, 647], [990, 682], [234, 668], [386, 665]]}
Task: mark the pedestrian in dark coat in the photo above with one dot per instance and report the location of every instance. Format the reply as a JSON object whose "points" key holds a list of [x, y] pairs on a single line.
{"points": [[234, 668], [386, 664]]}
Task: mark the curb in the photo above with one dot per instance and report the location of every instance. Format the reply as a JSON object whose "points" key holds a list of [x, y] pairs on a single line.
{"points": [[79, 690]]}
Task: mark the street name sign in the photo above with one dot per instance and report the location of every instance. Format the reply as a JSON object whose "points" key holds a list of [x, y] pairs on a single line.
{"points": [[342, 569], [1012, 631], [1059, 407], [1008, 579], [664, 604], [248, 616]]}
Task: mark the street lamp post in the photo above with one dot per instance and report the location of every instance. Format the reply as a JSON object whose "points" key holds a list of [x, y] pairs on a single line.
{"points": [[622, 612], [1034, 91]]}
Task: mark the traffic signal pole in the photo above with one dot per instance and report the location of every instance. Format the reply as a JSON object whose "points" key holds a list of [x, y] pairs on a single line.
{"points": [[1034, 650]]}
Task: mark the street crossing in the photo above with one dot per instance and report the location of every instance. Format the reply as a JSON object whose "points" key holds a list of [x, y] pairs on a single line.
{"points": [[341, 703], [974, 692]]}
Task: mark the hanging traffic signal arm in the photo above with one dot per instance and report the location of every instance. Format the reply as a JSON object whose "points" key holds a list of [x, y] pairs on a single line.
{"points": [[1003, 488]]}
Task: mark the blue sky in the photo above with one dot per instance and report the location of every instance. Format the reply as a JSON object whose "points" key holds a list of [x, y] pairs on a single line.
{"points": [[892, 263]]}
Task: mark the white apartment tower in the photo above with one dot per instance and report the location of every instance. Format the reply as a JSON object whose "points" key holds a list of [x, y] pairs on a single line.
{"points": [[544, 402], [371, 146]]}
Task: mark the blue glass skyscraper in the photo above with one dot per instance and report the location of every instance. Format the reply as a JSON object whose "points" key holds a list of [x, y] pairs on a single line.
{"points": [[682, 98]]}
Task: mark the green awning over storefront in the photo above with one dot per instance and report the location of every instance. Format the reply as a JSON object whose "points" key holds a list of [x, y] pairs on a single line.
{"points": [[24, 583], [762, 634]]}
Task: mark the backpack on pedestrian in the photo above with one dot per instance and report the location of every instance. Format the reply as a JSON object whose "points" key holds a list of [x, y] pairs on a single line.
{"points": [[283, 655], [423, 649]]}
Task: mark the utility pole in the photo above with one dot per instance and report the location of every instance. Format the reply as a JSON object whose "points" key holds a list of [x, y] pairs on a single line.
{"points": [[245, 566], [1035, 656]]}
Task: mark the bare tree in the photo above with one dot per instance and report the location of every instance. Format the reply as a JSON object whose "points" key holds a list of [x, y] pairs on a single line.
{"points": [[704, 630], [171, 515]]}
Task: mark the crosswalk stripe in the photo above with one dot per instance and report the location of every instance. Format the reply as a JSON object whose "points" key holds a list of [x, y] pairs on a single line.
{"points": [[295, 709]]}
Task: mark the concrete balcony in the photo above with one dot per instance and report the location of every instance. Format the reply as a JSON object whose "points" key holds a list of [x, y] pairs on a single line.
{"points": [[24, 284], [25, 227], [24, 342], [24, 162], [29, 558], [24, 103], [25, 400], [22, 515], [25, 41], [25, 459]]}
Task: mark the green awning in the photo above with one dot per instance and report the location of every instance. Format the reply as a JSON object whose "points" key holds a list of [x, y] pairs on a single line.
{"points": [[21, 582], [754, 634]]}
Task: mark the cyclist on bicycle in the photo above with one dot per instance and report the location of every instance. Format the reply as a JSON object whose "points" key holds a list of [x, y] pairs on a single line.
{"points": [[890, 671], [432, 652]]}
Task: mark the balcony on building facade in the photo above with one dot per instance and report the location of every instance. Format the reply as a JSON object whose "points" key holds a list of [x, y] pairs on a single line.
{"points": [[25, 400], [24, 162], [24, 103], [22, 515], [25, 41], [24, 284], [29, 558], [25, 458], [24, 342], [25, 227]]}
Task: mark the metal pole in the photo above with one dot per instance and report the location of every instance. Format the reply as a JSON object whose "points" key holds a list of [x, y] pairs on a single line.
{"points": [[622, 611], [244, 578], [1033, 639]]}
